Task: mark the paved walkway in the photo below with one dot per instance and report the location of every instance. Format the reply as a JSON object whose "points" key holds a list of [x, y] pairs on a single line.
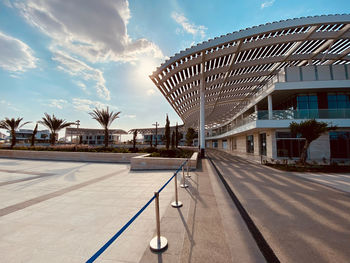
{"points": [[208, 228], [65, 211], [302, 221]]}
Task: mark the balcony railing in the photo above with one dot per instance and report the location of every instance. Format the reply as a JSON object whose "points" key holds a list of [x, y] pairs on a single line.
{"points": [[285, 115]]}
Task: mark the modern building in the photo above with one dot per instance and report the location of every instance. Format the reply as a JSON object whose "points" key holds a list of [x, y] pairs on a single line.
{"points": [[25, 136], [245, 88], [2, 136], [149, 134], [93, 136]]}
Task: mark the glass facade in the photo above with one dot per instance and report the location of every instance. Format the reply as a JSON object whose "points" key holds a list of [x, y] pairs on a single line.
{"points": [[224, 144], [338, 101], [288, 146], [340, 144], [263, 144], [250, 144]]}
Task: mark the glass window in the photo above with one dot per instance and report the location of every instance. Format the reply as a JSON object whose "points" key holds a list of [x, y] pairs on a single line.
{"points": [[288, 146], [224, 144], [250, 144], [340, 144], [234, 144], [338, 101], [263, 144]]}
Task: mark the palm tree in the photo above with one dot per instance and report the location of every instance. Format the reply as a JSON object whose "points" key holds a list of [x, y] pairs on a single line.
{"points": [[12, 125], [105, 119], [35, 131], [54, 125]]}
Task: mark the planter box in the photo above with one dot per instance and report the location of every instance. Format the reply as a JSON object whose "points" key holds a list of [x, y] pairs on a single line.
{"points": [[144, 162], [69, 156]]}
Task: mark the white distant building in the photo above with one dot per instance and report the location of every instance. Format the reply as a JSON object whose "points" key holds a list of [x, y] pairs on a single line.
{"points": [[149, 134], [93, 136], [2, 136], [25, 136]]}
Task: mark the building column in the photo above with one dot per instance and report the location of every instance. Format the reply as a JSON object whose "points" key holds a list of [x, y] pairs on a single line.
{"points": [[202, 110], [202, 118], [269, 106]]}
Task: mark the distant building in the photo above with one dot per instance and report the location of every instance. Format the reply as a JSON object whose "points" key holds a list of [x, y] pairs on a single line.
{"points": [[2, 136], [93, 136], [25, 136], [149, 134]]}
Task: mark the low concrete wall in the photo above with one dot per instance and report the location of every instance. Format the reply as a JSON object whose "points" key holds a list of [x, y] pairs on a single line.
{"points": [[70, 156], [144, 162]]}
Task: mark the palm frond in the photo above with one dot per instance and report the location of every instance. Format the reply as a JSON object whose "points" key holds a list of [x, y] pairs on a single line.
{"points": [[104, 117]]}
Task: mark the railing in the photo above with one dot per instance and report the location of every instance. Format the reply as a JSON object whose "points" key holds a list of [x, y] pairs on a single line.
{"points": [[158, 243], [286, 115]]}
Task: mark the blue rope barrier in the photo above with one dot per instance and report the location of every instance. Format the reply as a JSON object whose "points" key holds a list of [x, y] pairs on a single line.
{"points": [[171, 177], [109, 242]]}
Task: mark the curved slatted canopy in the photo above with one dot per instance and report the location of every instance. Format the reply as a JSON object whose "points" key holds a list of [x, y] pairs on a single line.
{"points": [[236, 66]]}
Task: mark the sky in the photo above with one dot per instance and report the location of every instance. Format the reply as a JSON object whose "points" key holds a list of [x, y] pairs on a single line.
{"points": [[67, 57]]}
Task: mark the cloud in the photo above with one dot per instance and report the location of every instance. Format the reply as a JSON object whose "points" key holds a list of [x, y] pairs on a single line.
{"points": [[150, 92], [267, 4], [93, 30], [187, 26], [76, 67], [83, 87], [15, 55], [130, 116], [57, 103], [8, 105], [88, 105]]}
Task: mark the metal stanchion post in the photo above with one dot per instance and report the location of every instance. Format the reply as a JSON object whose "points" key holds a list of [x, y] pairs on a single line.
{"points": [[177, 203], [158, 243], [183, 185], [188, 168]]}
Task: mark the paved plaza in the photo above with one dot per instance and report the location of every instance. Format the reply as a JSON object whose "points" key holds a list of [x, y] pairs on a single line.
{"points": [[65, 211]]}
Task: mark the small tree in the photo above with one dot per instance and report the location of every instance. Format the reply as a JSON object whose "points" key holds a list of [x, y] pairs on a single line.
{"points": [[12, 125], [173, 140], [167, 132], [310, 130], [105, 119], [33, 135], [54, 125], [177, 137], [134, 139], [190, 135]]}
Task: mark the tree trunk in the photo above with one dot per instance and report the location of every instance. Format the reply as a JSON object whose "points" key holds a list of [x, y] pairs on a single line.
{"points": [[13, 139], [53, 138], [304, 152], [33, 140], [106, 138]]}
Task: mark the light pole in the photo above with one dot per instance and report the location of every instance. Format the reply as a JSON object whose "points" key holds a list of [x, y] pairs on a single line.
{"points": [[156, 124]]}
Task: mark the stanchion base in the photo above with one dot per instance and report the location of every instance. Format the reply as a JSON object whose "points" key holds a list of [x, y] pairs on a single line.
{"points": [[183, 185], [178, 204], [188, 175], [158, 246]]}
